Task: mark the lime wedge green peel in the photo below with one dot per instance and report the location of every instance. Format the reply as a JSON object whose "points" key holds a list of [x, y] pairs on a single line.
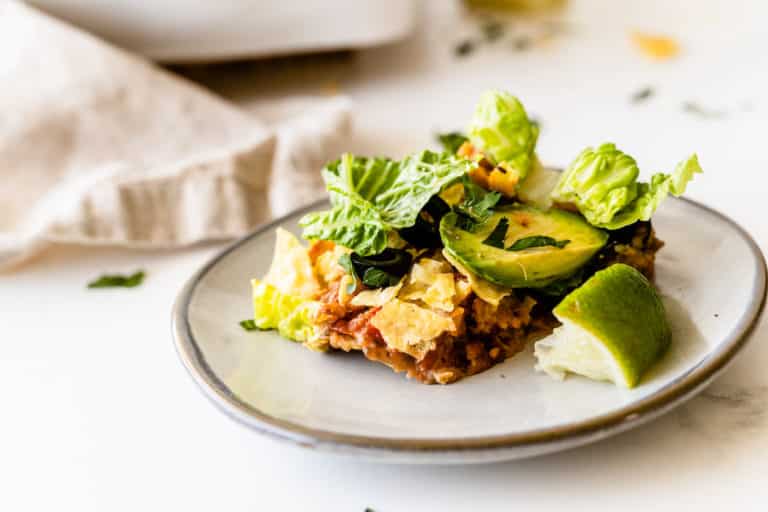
{"points": [[613, 328]]}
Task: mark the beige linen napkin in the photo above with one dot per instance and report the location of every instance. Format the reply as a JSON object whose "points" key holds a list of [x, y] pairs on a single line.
{"points": [[98, 146]]}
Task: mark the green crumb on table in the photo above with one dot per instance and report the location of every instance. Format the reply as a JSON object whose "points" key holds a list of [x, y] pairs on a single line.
{"points": [[118, 280], [248, 325], [642, 95], [696, 109], [464, 48], [493, 30], [522, 43]]}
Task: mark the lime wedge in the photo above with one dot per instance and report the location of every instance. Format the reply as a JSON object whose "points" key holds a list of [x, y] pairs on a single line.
{"points": [[614, 328]]}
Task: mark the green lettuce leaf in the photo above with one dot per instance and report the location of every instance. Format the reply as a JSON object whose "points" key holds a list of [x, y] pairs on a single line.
{"points": [[292, 316], [501, 129], [602, 184], [357, 226], [372, 196], [359, 179]]}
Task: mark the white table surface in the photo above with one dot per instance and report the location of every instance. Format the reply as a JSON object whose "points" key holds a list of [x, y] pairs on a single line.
{"points": [[98, 414]]}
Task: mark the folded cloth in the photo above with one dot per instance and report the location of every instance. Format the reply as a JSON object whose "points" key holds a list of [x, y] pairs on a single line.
{"points": [[98, 146]]}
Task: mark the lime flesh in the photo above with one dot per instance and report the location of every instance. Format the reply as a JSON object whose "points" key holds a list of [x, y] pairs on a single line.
{"points": [[614, 328]]}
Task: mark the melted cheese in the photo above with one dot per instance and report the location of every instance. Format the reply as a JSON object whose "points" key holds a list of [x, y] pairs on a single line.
{"points": [[377, 297]]}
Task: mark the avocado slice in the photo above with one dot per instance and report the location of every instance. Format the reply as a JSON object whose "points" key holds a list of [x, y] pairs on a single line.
{"points": [[483, 253]]}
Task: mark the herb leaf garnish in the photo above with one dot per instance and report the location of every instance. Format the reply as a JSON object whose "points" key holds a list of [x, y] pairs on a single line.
{"points": [[425, 233], [377, 278], [381, 270], [499, 233], [118, 280], [465, 223], [530, 242], [478, 203], [451, 141], [248, 325], [345, 261]]}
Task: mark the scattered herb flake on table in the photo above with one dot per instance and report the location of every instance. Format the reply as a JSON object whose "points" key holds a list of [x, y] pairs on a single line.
{"points": [[706, 113], [493, 30], [464, 48], [642, 95], [248, 325], [522, 43], [118, 280]]}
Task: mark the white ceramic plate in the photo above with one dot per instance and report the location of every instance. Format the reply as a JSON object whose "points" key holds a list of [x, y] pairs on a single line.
{"points": [[712, 277]]}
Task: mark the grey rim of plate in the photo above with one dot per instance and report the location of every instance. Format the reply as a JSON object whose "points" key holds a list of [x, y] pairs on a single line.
{"points": [[540, 441]]}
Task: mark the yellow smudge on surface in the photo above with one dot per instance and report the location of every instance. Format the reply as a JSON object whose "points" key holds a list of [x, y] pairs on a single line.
{"points": [[655, 46]]}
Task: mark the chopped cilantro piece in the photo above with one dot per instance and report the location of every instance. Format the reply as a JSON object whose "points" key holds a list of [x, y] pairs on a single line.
{"points": [[537, 241], [118, 280]]}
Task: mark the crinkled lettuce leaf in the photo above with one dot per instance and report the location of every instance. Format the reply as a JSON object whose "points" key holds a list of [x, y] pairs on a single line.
{"points": [[359, 179], [602, 184], [291, 315], [421, 176], [282, 300], [373, 196], [501, 129], [650, 195], [291, 269], [356, 226]]}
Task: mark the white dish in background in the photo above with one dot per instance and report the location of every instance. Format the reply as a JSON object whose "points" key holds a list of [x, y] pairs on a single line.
{"points": [[712, 277], [180, 31]]}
